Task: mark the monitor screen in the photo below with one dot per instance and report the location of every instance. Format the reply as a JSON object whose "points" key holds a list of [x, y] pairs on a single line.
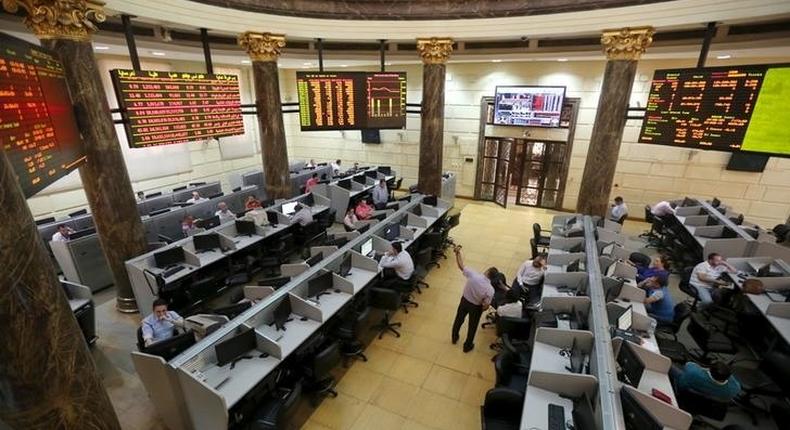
{"points": [[319, 284], [351, 100], [345, 183], [608, 248], [367, 247], [625, 320], [312, 261], [206, 242], [363, 229], [429, 200], [272, 217], [289, 208], [244, 227], [583, 415], [282, 312], [528, 106], [163, 108], [728, 108], [308, 200], [232, 311], [360, 179], [385, 170], [345, 265], [208, 222], [631, 367], [38, 130], [635, 416], [372, 174], [169, 257], [392, 232], [231, 349]]}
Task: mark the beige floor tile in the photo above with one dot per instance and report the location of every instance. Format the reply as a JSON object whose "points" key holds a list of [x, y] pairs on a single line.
{"points": [[374, 417], [454, 358], [467, 417], [433, 410], [482, 366], [410, 370], [447, 382], [474, 391], [359, 382], [414, 425], [395, 396], [312, 425], [423, 348], [338, 413], [379, 359]]}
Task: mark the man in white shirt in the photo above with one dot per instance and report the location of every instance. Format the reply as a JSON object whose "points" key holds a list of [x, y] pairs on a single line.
{"points": [[63, 233], [196, 198], [311, 164], [530, 273], [705, 277], [381, 195], [663, 208], [336, 168], [303, 216], [400, 263], [160, 324], [140, 196], [619, 209], [224, 214]]}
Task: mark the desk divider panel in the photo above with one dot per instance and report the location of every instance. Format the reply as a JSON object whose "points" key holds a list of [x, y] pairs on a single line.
{"points": [[639, 321], [304, 308], [564, 259], [735, 247], [632, 293], [326, 251], [565, 384], [667, 415], [417, 221], [569, 279], [709, 231], [610, 236], [651, 360], [293, 269], [612, 226], [564, 243], [362, 262], [562, 338], [624, 270], [406, 233], [567, 304], [207, 408], [696, 220], [689, 210], [430, 211], [163, 389], [342, 284]]}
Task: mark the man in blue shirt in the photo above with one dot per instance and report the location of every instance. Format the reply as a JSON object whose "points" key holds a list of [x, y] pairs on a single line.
{"points": [[716, 382], [160, 324], [658, 302]]}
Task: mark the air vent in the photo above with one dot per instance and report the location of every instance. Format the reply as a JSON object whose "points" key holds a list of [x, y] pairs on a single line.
{"points": [[559, 43], [769, 27], [499, 44]]}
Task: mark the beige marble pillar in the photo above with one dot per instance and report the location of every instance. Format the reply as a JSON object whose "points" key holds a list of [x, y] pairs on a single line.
{"points": [[264, 50], [434, 52], [623, 48], [48, 379]]}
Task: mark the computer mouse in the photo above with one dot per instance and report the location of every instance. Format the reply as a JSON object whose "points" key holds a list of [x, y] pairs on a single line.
{"points": [[337, 290], [303, 319]]}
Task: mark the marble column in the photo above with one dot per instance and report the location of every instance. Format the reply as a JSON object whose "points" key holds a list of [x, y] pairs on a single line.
{"points": [[434, 52], [264, 50], [48, 379], [623, 48]]}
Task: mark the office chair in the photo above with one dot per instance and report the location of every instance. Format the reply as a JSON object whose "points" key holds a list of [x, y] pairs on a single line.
{"points": [[516, 331], [421, 262], [700, 405], [541, 242], [501, 409], [502, 295], [770, 379], [348, 332], [274, 410], [395, 187], [202, 289], [650, 218], [327, 218], [406, 288], [533, 246], [388, 300], [639, 259], [667, 335], [318, 371], [241, 274], [510, 372], [687, 288], [708, 337], [433, 241]]}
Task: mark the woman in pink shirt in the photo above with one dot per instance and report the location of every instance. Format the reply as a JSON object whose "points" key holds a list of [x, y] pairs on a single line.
{"points": [[363, 210], [311, 183]]}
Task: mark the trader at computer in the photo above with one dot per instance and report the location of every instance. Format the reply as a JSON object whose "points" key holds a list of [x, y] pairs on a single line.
{"points": [[663, 208], [705, 278], [196, 198], [381, 195], [350, 220], [160, 324], [716, 382], [224, 214], [311, 183], [655, 282], [476, 298], [619, 209], [530, 273], [396, 264], [336, 168], [63, 233], [303, 216]]}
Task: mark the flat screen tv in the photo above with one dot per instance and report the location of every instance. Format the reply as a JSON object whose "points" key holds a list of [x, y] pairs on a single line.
{"points": [[528, 105], [747, 162]]}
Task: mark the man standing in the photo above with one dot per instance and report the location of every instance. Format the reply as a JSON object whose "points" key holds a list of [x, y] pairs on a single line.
{"points": [[381, 195], [705, 277], [160, 324], [63, 233], [476, 298], [619, 209]]}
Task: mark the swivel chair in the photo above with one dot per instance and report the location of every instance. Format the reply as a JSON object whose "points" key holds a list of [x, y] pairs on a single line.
{"points": [[348, 332], [406, 288], [433, 241], [700, 405], [667, 335], [421, 262], [510, 372], [275, 409], [708, 337], [318, 371], [687, 288], [388, 300], [501, 409], [541, 242]]}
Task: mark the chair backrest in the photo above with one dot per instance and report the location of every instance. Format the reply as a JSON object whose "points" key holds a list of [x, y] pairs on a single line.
{"points": [[649, 217], [516, 328], [325, 360], [423, 257], [454, 220], [536, 231], [140, 341], [398, 183], [697, 404], [504, 365], [622, 219], [685, 286], [639, 259], [503, 404], [385, 298], [682, 311]]}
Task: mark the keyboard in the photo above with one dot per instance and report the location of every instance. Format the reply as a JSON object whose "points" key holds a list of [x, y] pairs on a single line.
{"points": [[556, 417], [172, 271]]}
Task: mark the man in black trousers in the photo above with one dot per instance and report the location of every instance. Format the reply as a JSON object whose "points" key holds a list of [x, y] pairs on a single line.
{"points": [[476, 298]]}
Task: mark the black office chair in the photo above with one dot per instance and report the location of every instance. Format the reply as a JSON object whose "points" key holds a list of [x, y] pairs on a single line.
{"points": [[406, 288], [667, 335], [318, 371], [541, 241], [388, 300], [201, 289], [708, 337], [639, 259], [421, 262], [502, 409], [515, 331], [327, 218], [433, 241], [274, 411], [511, 372], [687, 288], [700, 405], [348, 333], [241, 274]]}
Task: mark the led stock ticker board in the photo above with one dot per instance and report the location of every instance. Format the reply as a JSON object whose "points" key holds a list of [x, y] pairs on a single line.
{"points": [[162, 108], [351, 100], [38, 130], [732, 108]]}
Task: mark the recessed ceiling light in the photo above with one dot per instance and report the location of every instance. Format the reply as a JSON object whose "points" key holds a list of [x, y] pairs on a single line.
{"points": [[562, 60], [344, 65], [387, 63], [158, 53], [496, 61], [307, 64], [101, 48], [724, 57], [245, 61]]}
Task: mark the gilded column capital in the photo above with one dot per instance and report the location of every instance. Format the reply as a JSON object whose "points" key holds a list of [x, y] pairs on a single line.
{"points": [[262, 46], [627, 43], [60, 19], [435, 50]]}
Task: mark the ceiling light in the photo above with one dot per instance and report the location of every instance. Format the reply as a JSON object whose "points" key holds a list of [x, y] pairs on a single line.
{"points": [[387, 63], [158, 53], [245, 61], [562, 60], [724, 57], [307, 64], [496, 61], [101, 48], [344, 65]]}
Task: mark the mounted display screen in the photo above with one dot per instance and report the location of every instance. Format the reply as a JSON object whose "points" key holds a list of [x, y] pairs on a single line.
{"points": [[163, 108], [38, 131], [351, 100], [528, 106], [734, 108]]}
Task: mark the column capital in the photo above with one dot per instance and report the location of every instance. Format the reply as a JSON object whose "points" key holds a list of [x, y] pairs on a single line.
{"points": [[435, 50], [60, 19], [627, 43], [262, 46]]}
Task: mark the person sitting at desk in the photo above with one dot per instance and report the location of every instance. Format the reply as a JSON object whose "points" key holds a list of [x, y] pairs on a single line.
{"points": [[476, 298], [311, 183], [659, 269], [716, 382], [188, 226], [303, 216], [350, 220], [619, 209], [663, 208], [381, 195], [705, 277], [160, 324], [363, 210], [354, 169], [140, 196], [196, 198], [396, 264], [63, 233], [336, 168], [530, 274], [252, 203], [224, 214], [658, 302], [310, 164]]}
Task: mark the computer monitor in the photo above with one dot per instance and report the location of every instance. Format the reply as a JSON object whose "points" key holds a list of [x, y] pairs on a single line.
{"points": [[392, 231], [312, 261], [289, 208], [728, 233], [581, 321], [764, 271], [156, 194], [183, 187], [169, 257], [367, 247], [206, 242], [232, 311], [345, 183], [737, 220], [711, 220], [363, 229], [634, 415], [338, 242], [579, 247], [78, 213], [608, 249], [244, 227], [688, 202], [308, 200], [573, 267], [275, 282], [417, 210], [429, 200], [345, 266], [234, 348], [626, 320], [159, 212], [631, 367], [43, 221], [319, 284], [282, 312], [386, 170], [715, 202], [172, 346], [372, 174], [404, 221], [570, 221], [360, 179], [614, 291], [272, 218], [583, 415], [266, 203], [215, 195], [82, 233], [208, 223], [577, 358]]}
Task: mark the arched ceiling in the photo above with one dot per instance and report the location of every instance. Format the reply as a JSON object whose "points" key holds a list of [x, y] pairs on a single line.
{"points": [[662, 15]]}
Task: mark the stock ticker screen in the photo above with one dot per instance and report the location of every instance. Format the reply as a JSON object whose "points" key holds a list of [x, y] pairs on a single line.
{"points": [[38, 130], [163, 108], [734, 108], [351, 100]]}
